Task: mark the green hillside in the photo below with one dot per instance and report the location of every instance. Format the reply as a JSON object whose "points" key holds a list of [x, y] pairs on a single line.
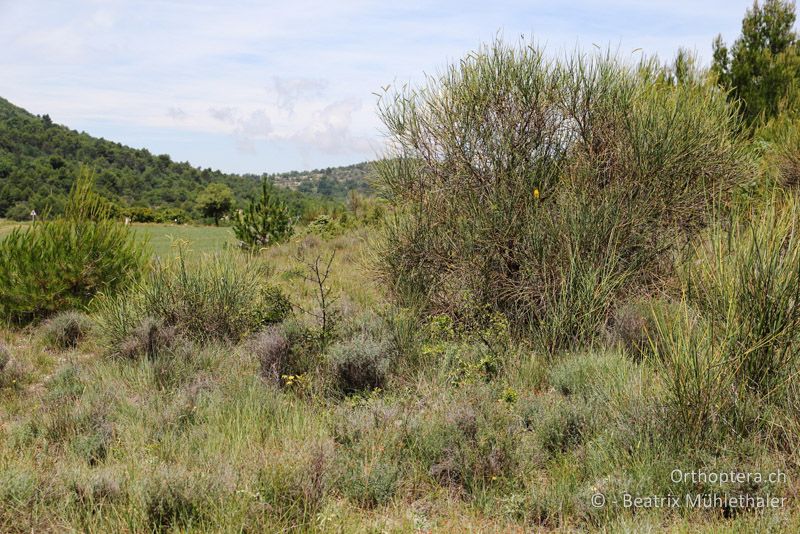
{"points": [[39, 161], [331, 182]]}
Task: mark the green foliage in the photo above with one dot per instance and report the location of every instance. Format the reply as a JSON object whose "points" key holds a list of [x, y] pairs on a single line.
{"points": [[160, 215], [730, 350], [745, 280], [372, 485], [215, 201], [779, 140], [62, 264], [264, 223], [173, 501], [547, 190], [330, 183], [39, 160], [223, 298], [762, 67]]}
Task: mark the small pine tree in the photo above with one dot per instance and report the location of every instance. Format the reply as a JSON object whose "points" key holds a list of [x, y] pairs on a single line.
{"points": [[762, 66], [61, 264], [264, 223]]}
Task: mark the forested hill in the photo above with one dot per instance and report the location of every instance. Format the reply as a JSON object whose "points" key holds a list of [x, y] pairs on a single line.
{"points": [[39, 161], [332, 182]]}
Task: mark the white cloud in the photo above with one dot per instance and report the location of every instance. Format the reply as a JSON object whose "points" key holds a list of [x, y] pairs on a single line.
{"points": [[288, 91], [223, 114], [177, 114], [299, 73], [331, 129]]}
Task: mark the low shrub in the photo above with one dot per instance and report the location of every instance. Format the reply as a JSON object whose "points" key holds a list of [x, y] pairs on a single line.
{"points": [[468, 440], [100, 488], [173, 500], [632, 328], [66, 385], [582, 374], [13, 373], [562, 428], [92, 446], [360, 363], [295, 482], [5, 357], [83, 427], [64, 263], [148, 339], [18, 489], [273, 352], [222, 298], [66, 329], [371, 485], [274, 306]]}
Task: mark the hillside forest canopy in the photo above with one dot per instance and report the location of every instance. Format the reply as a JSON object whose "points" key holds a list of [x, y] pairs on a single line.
{"points": [[39, 161]]}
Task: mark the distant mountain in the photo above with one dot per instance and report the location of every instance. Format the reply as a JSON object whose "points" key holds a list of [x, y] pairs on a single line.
{"points": [[333, 182], [39, 161]]}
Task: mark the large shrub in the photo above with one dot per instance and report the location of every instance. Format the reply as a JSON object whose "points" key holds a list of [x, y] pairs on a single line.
{"points": [[546, 189], [63, 263]]}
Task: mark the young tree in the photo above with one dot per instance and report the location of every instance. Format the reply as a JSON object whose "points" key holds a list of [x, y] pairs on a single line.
{"points": [[215, 201], [761, 67], [264, 223]]}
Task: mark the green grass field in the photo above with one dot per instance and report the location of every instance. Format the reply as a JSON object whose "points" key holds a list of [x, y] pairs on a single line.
{"points": [[165, 238], [7, 226]]}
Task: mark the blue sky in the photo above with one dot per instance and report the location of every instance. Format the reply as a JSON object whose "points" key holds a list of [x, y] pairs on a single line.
{"points": [[247, 86]]}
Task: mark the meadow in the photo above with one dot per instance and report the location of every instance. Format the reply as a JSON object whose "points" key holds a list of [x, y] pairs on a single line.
{"points": [[7, 226], [163, 238]]}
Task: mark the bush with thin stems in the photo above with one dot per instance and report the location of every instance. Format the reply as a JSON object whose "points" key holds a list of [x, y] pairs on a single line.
{"points": [[547, 189], [745, 278], [731, 349], [224, 297]]}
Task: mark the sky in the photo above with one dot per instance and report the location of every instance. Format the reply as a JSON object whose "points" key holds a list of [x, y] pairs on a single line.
{"points": [[271, 86]]}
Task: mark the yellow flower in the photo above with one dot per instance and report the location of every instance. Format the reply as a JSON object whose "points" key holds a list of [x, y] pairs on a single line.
{"points": [[536, 194]]}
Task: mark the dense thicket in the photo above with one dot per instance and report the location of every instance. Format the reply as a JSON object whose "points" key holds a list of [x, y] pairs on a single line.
{"points": [[546, 190], [39, 160]]}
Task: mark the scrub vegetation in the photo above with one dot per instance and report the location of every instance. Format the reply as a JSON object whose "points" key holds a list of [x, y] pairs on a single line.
{"points": [[576, 296]]}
